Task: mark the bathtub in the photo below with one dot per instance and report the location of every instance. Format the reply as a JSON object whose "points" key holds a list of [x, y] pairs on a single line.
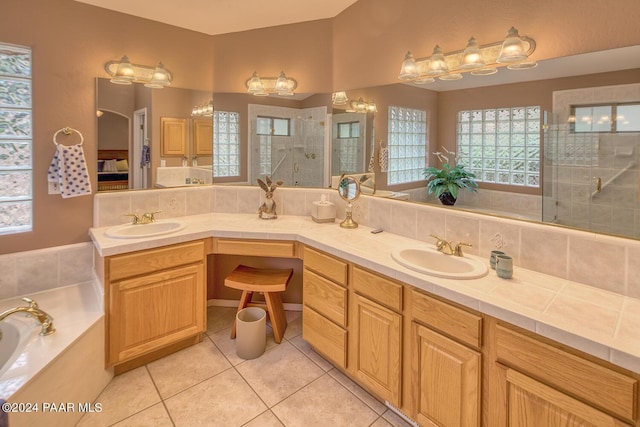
{"points": [[66, 366]]}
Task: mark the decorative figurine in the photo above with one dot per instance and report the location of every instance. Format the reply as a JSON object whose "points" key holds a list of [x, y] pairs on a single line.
{"points": [[268, 208]]}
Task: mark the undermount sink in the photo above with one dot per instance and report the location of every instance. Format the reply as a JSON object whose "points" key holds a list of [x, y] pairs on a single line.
{"points": [[434, 263], [136, 231]]}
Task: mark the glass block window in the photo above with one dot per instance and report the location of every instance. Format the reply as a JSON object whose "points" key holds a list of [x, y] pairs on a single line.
{"points": [[501, 145], [16, 145], [407, 145], [226, 143]]}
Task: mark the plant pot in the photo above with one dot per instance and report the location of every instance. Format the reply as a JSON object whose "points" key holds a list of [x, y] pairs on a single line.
{"points": [[447, 199]]}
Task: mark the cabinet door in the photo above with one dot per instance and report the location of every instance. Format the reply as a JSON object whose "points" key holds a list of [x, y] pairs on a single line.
{"points": [[150, 312], [531, 404], [202, 137], [378, 335], [446, 379], [173, 136]]}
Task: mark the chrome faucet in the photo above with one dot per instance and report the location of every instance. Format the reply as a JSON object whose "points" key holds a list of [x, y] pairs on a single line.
{"points": [[45, 320], [446, 248], [146, 218]]}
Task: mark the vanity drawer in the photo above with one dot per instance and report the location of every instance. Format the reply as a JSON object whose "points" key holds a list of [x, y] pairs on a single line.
{"points": [[595, 384], [326, 265], [152, 260], [281, 249], [460, 324], [325, 297], [378, 288], [325, 336]]}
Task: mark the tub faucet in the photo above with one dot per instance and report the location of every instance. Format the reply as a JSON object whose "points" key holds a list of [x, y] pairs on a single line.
{"points": [[33, 310]]}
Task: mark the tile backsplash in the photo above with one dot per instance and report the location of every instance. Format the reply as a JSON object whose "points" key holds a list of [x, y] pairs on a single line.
{"points": [[602, 261], [24, 273]]}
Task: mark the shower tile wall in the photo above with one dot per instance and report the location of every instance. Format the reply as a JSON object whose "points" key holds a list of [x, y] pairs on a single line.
{"points": [[574, 162]]}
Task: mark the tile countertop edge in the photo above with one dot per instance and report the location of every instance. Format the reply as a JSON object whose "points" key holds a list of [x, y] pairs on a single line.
{"points": [[344, 243]]}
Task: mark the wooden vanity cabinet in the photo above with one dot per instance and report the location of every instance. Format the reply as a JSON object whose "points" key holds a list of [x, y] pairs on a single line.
{"points": [[154, 299], [324, 310], [445, 363], [376, 311], [540, 384], [173, 136]]}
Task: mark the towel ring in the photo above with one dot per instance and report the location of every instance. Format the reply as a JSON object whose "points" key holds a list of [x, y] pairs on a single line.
{"points": [[67, 131]]}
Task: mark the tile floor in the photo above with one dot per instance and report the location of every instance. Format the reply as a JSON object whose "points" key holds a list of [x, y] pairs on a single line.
{"points": [[208, 385]]}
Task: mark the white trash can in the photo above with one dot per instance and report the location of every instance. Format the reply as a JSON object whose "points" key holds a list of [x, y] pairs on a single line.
{"points": [[251, 332]]}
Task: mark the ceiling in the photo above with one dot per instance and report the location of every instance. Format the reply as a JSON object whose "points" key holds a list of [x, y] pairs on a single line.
{"points": [[226, 16]]}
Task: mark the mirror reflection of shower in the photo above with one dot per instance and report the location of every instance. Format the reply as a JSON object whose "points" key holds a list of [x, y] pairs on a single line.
{"points": [[287, 144]]}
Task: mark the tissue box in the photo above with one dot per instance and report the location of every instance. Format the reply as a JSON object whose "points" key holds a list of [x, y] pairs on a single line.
{"points": [[323, 212]]}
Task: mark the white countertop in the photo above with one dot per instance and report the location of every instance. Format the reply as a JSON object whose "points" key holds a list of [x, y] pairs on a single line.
{"points": [[600, 323]]}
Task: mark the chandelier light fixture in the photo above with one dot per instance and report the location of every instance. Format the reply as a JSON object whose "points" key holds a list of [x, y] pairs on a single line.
{"points": [[361, 106], [339, 98], [125, 73], [265, 86], [513, 52]]}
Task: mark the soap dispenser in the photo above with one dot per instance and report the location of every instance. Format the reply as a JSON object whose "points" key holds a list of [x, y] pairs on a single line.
{"points": [[323, 210]]}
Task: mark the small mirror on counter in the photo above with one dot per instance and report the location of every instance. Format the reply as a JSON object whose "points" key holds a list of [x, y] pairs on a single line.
{"points": [[349, 190]]}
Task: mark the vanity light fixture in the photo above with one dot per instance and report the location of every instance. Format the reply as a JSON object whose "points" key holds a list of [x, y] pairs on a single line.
{"points": [[124, 72], [484, 60], [204, 110], [339, 98], [264, 86], [362, 107]]}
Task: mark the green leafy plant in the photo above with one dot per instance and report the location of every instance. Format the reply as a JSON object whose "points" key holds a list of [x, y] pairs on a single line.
{"points": [[449, 180]]}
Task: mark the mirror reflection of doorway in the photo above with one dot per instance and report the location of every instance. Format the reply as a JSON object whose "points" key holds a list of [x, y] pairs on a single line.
{"points": [[113, 151], [141, 161]]}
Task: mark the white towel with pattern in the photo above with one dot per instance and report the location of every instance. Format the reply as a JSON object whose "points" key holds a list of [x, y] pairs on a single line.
{"points": [[69, 169]]}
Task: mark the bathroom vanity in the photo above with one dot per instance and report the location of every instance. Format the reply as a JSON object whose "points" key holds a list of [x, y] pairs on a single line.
{"points": [[429, 346]]}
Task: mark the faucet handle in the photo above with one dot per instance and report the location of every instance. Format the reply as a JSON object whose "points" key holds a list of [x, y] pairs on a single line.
{"points": [[458, 249], [151, 215], [135, 217], [31, 302], [438, 238]]}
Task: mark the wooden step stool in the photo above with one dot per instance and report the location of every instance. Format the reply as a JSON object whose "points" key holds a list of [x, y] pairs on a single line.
{"points": [[268, 281]]}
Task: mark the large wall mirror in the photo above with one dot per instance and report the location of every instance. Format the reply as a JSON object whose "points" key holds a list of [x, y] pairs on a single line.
{"points": [[305, 141], [152, 138]]}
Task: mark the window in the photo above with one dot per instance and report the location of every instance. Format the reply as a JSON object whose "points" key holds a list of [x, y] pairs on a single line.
{"points": [[501, 145], [16, 175], [348, 130], [273, 126], [611, 118], [407, 145], [226, 144]]}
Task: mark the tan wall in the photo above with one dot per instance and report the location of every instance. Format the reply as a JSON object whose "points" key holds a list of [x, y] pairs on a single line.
{"points": [[71, 42], [371, 37], [361, 47], [303, 51]]}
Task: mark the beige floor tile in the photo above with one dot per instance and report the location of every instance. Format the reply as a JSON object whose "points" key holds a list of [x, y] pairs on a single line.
{"points": [[305, 347], [294, 324], [224, 400], [125, 395], [381, 422], [156, 416], [219, 318], [266, 419], [324, 402], [279, 372], [178, 371], [361, 393], [228, 346], [394, 419]]}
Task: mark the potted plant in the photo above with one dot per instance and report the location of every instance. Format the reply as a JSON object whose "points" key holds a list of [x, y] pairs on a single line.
{"points": [[445, 182]]}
